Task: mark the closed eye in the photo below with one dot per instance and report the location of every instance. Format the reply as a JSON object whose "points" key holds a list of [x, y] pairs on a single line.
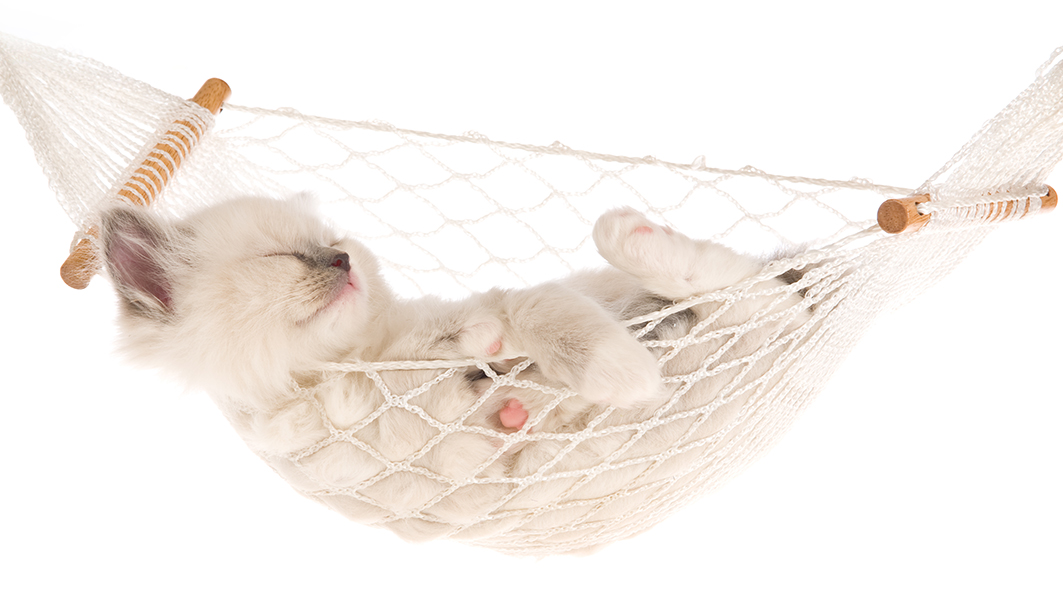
{"points": [[296, 255]]}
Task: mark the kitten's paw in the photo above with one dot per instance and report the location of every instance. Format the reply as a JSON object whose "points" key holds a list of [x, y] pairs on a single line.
{"points": [[667, 262], [484, 339], [628, 240], [513, 415]]}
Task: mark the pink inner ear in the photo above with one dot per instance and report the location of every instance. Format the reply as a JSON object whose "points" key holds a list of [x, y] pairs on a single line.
{"points": [[137, 269]]}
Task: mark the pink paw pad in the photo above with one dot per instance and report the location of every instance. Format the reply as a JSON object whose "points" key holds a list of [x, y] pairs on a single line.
{"points": [[643, 229], [513, 415], [494, 347]]}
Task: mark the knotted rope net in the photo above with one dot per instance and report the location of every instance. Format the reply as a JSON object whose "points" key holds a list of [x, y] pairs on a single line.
{"points": [[454, 214]]}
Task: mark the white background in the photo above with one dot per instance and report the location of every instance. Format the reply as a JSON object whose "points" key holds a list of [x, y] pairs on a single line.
{"points": [[932, 460]]}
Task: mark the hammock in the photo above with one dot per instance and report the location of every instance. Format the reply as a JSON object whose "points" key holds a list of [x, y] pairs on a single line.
{"points": [[497, 214]]}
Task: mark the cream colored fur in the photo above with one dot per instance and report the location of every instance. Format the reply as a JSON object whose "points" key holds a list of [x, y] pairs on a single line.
{"points": [[249, 298]]}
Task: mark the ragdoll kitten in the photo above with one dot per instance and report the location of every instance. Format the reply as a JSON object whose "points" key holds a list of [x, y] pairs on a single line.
{"points": [[249, 298]]}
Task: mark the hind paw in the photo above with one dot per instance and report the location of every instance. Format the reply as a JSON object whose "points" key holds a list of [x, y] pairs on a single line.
{"points": [[628, 240]]}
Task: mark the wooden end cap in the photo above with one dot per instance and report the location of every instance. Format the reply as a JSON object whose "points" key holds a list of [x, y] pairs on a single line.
{"points": [[900, 215], [1049, 201], [212, 95], [79, 268]]}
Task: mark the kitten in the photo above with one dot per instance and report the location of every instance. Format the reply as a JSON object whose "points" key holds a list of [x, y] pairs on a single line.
{"points": [[248, 299]]}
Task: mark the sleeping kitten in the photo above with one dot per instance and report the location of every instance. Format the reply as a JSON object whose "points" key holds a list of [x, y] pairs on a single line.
{"points": [[248, 299]]}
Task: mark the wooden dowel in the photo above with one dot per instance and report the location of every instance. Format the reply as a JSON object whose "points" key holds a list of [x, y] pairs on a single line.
{"points": [[148, 180], [902, 215]]}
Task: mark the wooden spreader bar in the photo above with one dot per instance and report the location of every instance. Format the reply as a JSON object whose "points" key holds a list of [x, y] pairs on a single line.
{"points": [[902, 215], [144, 186]]}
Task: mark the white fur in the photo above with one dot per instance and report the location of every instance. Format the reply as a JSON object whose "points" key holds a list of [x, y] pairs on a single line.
{"points": [[248, 298]]}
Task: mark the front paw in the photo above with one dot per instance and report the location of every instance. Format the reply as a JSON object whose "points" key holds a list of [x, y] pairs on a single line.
{"points": [[484, 338]]}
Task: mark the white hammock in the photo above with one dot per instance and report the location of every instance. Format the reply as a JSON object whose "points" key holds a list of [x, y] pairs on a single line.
{"points": [[491, 213]]}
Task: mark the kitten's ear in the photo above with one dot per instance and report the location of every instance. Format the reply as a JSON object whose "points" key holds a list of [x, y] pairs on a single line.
{"points": [[137, 253]]}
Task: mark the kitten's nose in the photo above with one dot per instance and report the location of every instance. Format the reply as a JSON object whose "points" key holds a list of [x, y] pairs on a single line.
{"points": [[341, 260]]}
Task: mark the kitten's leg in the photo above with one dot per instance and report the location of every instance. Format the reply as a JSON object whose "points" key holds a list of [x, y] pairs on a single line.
{"points": [[667, 262], [574, 341], [571, 339]]}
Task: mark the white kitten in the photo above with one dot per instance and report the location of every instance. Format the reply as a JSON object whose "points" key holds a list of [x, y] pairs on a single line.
{"points": [[248, 299]]}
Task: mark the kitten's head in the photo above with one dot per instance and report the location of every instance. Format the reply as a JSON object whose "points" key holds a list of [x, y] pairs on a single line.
{"points": [[240, 295]]}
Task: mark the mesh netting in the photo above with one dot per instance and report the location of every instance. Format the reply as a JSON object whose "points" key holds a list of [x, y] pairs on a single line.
{"points": [[450, 215]]}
